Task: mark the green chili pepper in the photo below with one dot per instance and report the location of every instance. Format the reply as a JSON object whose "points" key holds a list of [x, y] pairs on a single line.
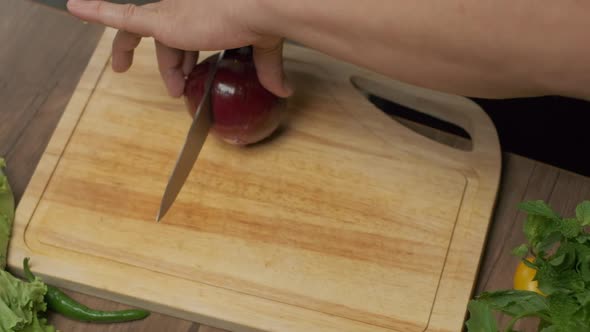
{"points": [[6, 214], [61, 303]]}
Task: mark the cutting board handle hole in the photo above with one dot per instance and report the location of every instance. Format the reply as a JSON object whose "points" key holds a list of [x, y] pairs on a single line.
{"points": [[446, 133]]}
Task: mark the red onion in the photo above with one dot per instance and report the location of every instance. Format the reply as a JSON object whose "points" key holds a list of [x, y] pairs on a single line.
{"points": [[244, 112]]}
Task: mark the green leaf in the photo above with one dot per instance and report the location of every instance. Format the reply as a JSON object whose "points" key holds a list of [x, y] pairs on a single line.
{"points": [[533, 265], [545, 325], [570, 228], [20, 303], [38, 325], [547, 278], [583, 269], [571, 282], [557, 260], [562, 307], [548, 241], [551, 328], [514, 302], [4, 238], [538, 208], [583, 297], [583, 252], [583, 315], [583, 238], [566, 313], [565, 256], [3, 184], [552, 281], [534, 227], [583, 213], [481, 318], [520, 251], [541, 232], [6, 217]]}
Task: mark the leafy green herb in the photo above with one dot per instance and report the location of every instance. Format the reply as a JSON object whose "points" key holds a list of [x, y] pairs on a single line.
{"points": [[521, 251], [514, 302], [482, 318], [560, 251], [569, 227], [538, 208], [583, 213]]}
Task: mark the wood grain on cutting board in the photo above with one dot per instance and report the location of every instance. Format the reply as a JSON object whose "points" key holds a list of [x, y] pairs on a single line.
{"points": [[344, 221]]}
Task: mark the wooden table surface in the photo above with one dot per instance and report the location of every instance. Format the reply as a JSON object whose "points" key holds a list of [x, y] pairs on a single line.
{"points": [[45, 52]]}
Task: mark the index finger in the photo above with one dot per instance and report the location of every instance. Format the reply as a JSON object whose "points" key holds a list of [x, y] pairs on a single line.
{"points": [[141, 20]]}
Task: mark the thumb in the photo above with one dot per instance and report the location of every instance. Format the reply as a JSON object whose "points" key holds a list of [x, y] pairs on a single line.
{"points": [[268, 59], [140, 20]]}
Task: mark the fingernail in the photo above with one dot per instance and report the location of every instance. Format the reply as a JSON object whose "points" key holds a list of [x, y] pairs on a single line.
{"points": [[80, 8], [76, 7]]}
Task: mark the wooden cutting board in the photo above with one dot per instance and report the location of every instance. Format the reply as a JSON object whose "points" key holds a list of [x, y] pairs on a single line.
{"points": [[344, 221]]}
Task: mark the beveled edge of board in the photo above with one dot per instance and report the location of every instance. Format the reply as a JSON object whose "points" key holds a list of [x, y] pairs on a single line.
{"points": [[451, 298]]}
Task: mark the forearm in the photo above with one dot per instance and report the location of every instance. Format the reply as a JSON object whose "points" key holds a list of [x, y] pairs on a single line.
{"points": [[493, 49]]}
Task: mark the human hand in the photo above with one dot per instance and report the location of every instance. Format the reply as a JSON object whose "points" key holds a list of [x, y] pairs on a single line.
{"points": [[182, 28]]}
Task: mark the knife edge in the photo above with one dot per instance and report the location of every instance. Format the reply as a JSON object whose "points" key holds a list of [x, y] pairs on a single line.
{"points": [[195, 139]]}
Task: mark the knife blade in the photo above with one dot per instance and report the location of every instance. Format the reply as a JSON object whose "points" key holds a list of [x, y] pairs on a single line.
{"points": [[61, 4], [193, 144]]}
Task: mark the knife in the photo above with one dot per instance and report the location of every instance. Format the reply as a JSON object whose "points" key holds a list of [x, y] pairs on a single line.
{"points": [[193, 144]]}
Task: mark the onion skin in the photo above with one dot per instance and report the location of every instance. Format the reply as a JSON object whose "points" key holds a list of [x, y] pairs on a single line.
{"points": [[244, 112]]}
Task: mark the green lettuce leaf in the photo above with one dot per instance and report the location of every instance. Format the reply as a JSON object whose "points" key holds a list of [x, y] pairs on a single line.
{"points": [[20, 304], [38, 325], [6, 215]]}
